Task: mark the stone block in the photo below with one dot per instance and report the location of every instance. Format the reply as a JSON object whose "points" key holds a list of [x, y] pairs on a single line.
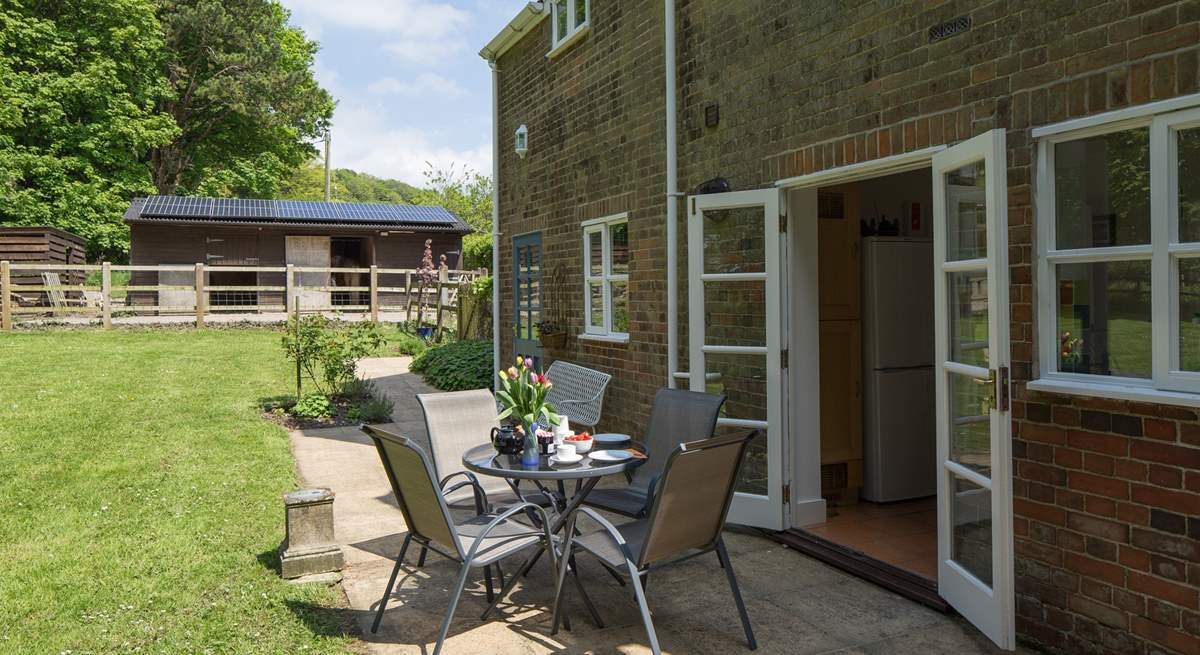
{"points": [[310, 547]]}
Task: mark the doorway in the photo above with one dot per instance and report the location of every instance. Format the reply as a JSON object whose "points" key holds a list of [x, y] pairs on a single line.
{"points": [[527, 296]]}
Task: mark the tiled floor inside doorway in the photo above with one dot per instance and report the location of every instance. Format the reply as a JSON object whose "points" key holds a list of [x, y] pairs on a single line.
{"points": [[903, 534]]}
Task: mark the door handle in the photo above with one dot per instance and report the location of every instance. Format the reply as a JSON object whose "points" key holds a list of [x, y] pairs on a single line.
{"points": [[989, 395], [996, 396]]}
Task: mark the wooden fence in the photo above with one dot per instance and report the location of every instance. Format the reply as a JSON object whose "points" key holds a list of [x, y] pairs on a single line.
{"points": [[382, 291]]}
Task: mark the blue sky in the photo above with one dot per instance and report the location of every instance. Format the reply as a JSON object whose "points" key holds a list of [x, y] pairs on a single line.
{"points": [[409, 83]]}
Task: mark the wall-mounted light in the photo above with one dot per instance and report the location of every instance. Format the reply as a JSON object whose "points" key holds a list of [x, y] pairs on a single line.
{"points": [[522, 141]]}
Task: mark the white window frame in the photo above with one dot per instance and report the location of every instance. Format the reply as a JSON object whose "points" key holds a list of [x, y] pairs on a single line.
{"points": [[1167, 384], [575, 31], [602, 226]]}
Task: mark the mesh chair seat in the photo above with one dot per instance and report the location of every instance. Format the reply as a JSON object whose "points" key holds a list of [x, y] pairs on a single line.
{"points": [[628, 501], [509, 537], [602, 545]]}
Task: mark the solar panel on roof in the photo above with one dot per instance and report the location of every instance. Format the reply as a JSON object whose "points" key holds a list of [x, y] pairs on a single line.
{"points": [[292, 210]]}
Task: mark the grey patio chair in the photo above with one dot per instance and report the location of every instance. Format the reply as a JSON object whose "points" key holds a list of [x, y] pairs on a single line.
{"points": [[677, 416], [457, 421], [477, 542], [578, 392], [686, 518]]}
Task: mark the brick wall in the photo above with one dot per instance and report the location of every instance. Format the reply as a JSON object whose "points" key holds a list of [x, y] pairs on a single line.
{"points": [[1106, 492]]}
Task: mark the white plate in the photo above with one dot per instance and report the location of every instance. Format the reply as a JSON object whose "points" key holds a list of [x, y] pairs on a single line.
{"points": [[555, 459], [611, 455], [611, 438]]}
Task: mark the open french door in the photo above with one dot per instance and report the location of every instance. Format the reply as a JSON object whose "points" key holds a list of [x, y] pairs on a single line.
{"points": [[975, 535], [734, 335]]}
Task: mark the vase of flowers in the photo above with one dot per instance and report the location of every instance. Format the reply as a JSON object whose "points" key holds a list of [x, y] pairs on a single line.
{"points": [[522, 395]]}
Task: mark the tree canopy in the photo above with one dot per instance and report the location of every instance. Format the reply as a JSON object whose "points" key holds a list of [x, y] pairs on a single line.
{"points": [[308, 183]]}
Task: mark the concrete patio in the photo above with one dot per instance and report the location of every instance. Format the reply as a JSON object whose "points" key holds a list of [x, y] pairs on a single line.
{"points": [[797, 605]]}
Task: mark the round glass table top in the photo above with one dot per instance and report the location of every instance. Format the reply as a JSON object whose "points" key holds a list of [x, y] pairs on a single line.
{"points": [[484, 459]]}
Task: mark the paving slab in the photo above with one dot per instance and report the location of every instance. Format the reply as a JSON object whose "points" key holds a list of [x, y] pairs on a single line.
{"points": [[797, 604]]}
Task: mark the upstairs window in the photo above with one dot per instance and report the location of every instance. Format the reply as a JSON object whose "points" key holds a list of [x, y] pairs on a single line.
{"points": [[569, 20], [1119, 272], [606, 277]]}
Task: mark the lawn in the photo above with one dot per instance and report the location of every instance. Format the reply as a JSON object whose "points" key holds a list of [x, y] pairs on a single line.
{"points": [[142, 497]]}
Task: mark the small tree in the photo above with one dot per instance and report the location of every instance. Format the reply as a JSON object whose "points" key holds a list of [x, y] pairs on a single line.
{"points": [[427, 274]]}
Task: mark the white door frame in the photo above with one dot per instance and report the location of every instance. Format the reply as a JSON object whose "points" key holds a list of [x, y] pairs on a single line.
{"points": [[765, 511], [990, 608]]}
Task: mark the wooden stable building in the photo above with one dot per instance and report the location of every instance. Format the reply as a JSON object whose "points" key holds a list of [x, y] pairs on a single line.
{"points": [[238, 233]]}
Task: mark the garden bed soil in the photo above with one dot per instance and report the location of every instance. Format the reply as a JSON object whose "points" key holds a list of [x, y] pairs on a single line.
{"points": [[276, 412]]}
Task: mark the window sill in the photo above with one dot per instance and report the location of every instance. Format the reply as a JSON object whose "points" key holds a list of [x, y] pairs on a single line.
{"points": [[1116, 392], [605, 338], [566, 43]]}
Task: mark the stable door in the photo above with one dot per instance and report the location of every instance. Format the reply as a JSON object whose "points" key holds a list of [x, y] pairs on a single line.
{"points": [[734, 335], [975, 534]]}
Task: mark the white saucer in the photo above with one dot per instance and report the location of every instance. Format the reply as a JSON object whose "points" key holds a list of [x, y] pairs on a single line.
{"points": [[555, 459]]}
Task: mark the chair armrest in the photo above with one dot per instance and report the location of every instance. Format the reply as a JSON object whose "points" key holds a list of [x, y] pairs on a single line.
{"points": [[520, 507], [481, 499]]}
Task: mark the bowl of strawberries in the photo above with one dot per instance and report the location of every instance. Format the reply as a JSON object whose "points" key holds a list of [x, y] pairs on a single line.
{"points": [[582, 442]]}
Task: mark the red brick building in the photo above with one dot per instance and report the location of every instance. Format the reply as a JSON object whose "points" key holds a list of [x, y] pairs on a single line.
{"points": [[730, 196]]}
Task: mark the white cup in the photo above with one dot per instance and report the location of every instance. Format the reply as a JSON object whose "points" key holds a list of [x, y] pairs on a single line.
{"points": [[565, 451]]}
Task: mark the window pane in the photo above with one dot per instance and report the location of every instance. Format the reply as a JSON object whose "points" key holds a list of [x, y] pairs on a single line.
{"points": [[560, 19], [1189, 185], [1102, 190], [620, 307], [596, 302], [580, 12], [619, 238], [968, 317], [971, 521], [966, 209], [595, 254], [735, 313], [1104, 318], [1189, 314], [970, 423], [734, 241], [743, 378]]}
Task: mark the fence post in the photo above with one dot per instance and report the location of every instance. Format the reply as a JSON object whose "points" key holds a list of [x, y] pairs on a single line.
{"points": [[199, 295], [439, 309], [374, 293], [288, 290], [106, 293], [408, 297], [5, 297]]}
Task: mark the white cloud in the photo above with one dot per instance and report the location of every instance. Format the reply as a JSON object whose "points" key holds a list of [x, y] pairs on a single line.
{"points": [[425, 84], [414, 18], [364, 141]]}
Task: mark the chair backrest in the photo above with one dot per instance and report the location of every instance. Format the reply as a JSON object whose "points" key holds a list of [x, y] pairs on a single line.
{"points": [[416, 489], [456, 422], [692, 497], [578, 392], [677, 416]]}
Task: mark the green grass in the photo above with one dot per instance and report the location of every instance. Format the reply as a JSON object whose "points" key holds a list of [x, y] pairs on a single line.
{"points": [[140, 497]]}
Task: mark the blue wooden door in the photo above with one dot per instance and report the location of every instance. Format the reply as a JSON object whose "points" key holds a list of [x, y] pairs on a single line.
{"points": [[527, 295]]}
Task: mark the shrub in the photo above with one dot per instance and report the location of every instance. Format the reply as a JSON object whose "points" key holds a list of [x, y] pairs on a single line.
{"points": [[456, 366], [328, 351], [410, 344], [477, 251], [314, 405], [375, 410]]}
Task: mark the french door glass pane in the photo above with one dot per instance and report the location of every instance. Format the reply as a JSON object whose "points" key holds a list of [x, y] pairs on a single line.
{"points": [[619, 238], [970, 425], [1102, 190], [743, 379], [1104, 318], [754, 476], [1189, 184], [734, 241], [968, 312], [971, 527], [1189, 314], [596, 304], [735, 313], [595, 254], [620, 306], [966, 212]]}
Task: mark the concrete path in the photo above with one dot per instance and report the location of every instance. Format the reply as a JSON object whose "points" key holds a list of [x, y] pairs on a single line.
{"points": [[797, 605]]}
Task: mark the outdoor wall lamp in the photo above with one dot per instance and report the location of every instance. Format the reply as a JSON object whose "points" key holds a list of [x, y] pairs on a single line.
{"points": [[522, 141]]}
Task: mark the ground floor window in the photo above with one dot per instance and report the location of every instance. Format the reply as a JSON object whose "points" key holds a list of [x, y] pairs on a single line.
{"points": [[606, 276], [1119, 245]]}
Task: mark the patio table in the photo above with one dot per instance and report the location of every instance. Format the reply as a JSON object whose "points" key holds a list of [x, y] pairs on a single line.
{"points": [[484, 460]]}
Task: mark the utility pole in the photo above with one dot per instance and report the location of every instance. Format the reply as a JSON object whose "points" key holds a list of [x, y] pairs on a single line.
{"points": [[327, 170]]}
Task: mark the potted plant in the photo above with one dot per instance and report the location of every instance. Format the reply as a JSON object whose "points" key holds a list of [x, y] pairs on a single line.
{"points": [[522, 395], [551, 334]]}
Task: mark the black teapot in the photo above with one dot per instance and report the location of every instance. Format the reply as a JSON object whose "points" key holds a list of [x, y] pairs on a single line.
{"points": [[507, 441]]}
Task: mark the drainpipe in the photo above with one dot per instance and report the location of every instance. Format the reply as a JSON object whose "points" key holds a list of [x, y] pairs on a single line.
{"points": [[495, 217], [672, 199]]}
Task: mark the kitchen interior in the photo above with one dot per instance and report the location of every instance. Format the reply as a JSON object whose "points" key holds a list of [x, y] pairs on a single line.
{"points": [[877, 385]]}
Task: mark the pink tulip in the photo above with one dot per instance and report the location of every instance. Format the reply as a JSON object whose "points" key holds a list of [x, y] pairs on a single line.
{"points": [[546, 382], [533, 378]]}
